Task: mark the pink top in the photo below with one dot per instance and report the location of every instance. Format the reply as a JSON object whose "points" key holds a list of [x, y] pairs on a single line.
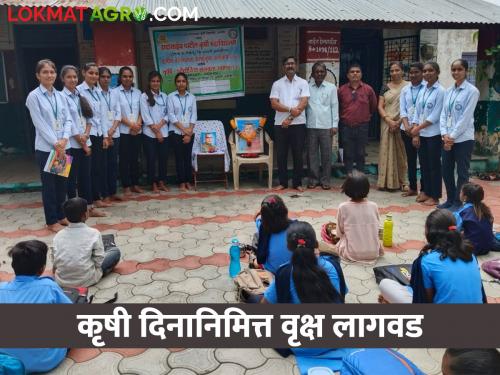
{"points": [[357, 226]]}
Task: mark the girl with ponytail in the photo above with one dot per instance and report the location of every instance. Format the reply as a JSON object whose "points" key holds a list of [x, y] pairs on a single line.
{"points": [[80, 111], [475, 219], [308, 277], [446, 270], [272, 222]]}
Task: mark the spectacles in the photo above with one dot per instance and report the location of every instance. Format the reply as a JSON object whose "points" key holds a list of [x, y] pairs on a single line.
{"points": [[354, 94]]}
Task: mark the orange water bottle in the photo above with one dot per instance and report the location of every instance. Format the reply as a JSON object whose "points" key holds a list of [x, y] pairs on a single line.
{"points": [[387, 236]]}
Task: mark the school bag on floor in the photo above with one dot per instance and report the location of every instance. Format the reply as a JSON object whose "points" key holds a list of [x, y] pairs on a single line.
{"points": [[378, 361], [397, 272], [10, 365], [251, 284]]}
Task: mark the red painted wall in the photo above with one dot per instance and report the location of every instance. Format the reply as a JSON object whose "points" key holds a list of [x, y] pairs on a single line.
{"points": [[114, 43]]}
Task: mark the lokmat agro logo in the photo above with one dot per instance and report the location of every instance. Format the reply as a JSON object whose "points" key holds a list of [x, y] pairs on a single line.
{"points": [[140, 13], [111, 14]]}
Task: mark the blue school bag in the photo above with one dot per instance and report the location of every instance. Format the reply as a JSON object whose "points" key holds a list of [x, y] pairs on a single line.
{"points": [[378, 361], [10, 365]]}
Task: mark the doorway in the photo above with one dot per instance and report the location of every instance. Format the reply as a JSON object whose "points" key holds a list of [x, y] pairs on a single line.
{"points": [[365, 47]]}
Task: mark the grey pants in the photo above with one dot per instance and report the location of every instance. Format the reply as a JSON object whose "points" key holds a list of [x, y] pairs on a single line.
{"points": [[319, 141]]}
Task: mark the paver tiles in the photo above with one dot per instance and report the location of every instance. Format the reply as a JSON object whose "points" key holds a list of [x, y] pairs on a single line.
{"points": [[174, 249]]}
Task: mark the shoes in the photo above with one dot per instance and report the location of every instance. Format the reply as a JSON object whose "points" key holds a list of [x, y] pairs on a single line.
{"points": [[326, 187], [299, 188]]}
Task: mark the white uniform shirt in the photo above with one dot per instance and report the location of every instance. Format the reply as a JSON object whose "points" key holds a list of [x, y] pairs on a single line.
{"points": [[428, 108], [457, 116], [154, 114], [110, 111], [181, 109], [93, 96], [408, 101], [50, 116], [129, 106], [289, 94]]}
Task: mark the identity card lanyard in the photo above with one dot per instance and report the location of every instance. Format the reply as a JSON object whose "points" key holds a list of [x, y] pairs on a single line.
{"points": [[428, 96], [183, 108], [451, 102], [54, 107], [129, 101], [414, 98], [93, 97], [108, 102]]}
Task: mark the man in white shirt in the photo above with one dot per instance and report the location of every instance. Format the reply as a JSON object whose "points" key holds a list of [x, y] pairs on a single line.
{"points": [[289, 96], [322, 124]]}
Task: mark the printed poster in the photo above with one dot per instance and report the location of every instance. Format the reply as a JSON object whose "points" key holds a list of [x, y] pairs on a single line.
{"points": [[212, 58]]}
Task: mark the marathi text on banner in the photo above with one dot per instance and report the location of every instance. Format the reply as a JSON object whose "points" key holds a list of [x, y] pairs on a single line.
{"points": [[212, 57]]}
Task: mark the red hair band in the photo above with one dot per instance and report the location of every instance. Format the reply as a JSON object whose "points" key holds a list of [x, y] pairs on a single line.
{"points": [[301, 241], [452, 227]]}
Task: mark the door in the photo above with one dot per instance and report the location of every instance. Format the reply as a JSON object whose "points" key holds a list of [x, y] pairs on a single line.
{"points": [[365, 47]]}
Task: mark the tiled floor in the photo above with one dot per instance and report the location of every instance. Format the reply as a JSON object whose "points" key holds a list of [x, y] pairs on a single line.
{"points": [[175, 248]]}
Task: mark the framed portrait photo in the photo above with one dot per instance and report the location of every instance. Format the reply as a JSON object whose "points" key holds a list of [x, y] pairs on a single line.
{"points": [[248, 139], [208, 142]]}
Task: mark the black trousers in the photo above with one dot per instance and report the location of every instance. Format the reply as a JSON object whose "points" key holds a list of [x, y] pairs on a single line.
{"points": [[183, 165], [79, 180], [130, 147], [354, 141], [459, 155], [156, 154], [98, 168], [53, 191], [429, 156], [294, 137], [411, 158], [112, 167]]}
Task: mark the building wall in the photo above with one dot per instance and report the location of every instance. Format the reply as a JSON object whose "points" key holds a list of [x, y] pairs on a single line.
{"points": [[451, 45]]}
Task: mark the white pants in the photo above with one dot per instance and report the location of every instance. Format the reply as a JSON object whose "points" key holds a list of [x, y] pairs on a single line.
{"points": [[394, 292]]}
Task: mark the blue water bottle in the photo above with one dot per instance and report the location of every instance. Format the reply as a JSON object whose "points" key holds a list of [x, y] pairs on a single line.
{"points": [[234, 255]]}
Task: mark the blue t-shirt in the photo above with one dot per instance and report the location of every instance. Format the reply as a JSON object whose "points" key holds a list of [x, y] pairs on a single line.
{"points": [[278, 250], [478, 232], [272, 297], [453, 281], [34, 289]]}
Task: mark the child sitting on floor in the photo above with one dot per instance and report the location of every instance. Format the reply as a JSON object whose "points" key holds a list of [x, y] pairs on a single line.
{"points": [[272, 221], [446, 271], [28, 261], [79, 256], [475, 220], [358, 223]]}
